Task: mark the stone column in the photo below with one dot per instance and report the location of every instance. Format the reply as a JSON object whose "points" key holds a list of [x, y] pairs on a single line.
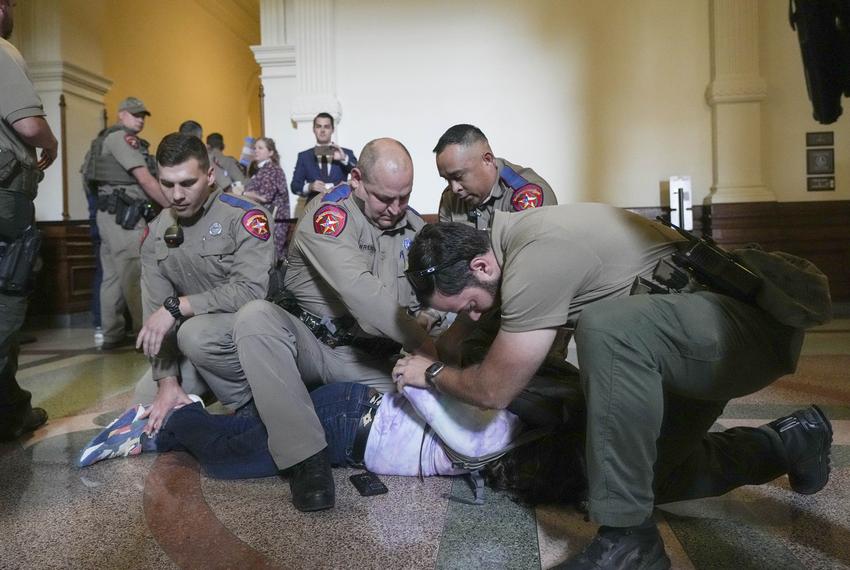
{"points": [[314, 36], [735, 95]]}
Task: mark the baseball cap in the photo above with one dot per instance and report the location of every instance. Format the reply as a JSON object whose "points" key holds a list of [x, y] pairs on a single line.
{"points": [[133, 105]]}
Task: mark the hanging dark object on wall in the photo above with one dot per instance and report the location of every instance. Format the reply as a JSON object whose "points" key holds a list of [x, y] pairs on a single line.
{"points": [[823, 28]]}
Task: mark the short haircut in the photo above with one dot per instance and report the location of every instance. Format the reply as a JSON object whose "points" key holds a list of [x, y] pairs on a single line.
{"points": [[462, 134], [324, 116], [177, 148], [449, 247], [190, 127], [369, 157], [215, 140]]}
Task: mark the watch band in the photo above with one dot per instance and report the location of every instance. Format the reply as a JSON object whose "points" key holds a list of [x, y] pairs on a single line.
{"points": [[172, 305], [431, 374]]}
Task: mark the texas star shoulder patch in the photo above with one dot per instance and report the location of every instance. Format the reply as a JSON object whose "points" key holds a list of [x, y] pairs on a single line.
{"points": [[330, 220], [132, 140], [257, 224], [529, 196]]}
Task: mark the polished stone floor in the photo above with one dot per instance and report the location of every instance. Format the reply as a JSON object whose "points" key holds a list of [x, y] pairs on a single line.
{"points": [[159, 512]]}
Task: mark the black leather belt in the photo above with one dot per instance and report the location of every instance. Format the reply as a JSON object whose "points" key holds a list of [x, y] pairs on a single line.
{"points": [[341, 336], [364, 426]]}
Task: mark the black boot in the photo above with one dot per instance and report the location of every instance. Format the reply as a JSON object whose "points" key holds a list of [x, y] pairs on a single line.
{"points": [[628, 548], [31, 420], [807, 437], [312, 483]]}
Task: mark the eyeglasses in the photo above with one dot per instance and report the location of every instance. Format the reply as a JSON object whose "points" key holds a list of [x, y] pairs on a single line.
{"points": [[423, 279]]}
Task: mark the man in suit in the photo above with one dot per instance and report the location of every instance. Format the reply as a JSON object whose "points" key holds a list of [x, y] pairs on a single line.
{"points": [[322, 167]]}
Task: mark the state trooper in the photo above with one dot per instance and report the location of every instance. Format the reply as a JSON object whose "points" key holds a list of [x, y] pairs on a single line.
{"points": [[123, 171], [349, 308], [23, 129], [656, 370], [480, 184], [204, 257]]}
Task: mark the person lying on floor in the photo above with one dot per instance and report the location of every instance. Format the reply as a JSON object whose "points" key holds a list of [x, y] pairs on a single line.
{"points": [[407, 434], [401, 434]]}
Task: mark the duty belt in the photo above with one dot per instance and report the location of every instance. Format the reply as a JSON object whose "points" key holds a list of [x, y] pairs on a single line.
{"points": [[337, 332]]}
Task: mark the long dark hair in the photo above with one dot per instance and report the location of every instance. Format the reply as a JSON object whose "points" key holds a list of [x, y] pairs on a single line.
{"points": [[548, 470]]}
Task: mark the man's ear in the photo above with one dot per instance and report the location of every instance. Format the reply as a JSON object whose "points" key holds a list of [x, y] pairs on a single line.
{"points": [[211, 176], [481, 265], [488, 158]]}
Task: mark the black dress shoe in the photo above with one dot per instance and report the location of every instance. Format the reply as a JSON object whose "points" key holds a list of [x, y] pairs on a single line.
{"points": [[312, 483], [32, 420], [627, 548], [807, 437]]}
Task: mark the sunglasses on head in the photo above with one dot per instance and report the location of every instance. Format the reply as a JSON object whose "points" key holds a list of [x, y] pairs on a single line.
{"points": [[424, 279]]}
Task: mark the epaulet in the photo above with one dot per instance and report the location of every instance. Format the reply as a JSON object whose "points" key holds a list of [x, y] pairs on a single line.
{"points": [[232, 200], [415, 213], [340, 192], [526, 194]]}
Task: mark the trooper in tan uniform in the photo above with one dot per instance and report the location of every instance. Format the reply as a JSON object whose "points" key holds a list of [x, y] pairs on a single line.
{"points": [[23, 128], [350, 310], [480, 184], [125, 184], [656, 370], [204, 257], [227, 169]]}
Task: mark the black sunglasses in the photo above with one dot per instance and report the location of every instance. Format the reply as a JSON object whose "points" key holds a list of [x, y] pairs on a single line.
{"points": [[425, 279]]}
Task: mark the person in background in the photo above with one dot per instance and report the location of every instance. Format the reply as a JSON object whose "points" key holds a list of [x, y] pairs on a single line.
{"points": [[268, 187], [227, 169], [191, 128], [322, 167], [23, 129]]}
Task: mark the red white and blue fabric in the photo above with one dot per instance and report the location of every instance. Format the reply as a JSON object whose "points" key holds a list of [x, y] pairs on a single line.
{"points": [[330, 220], [257, 224]]}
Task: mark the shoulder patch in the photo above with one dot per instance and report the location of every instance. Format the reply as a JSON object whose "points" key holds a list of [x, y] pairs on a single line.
{"points": [[132, 140], [236, 202], [257, 224], [340, 192], [527, 197], [330, 220]]}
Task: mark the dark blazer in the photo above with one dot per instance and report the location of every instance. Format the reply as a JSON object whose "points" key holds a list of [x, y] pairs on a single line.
{"points": [[307, 169]]}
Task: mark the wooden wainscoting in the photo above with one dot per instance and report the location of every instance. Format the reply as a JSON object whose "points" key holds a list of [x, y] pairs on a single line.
{"points": [[63, 285], [817, 231]]}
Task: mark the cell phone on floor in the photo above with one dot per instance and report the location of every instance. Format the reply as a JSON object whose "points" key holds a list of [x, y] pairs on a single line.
{"points": [[368, 484]]}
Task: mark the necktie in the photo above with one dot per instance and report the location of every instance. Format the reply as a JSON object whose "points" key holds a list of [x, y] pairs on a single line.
{"points": [[325, 169]]}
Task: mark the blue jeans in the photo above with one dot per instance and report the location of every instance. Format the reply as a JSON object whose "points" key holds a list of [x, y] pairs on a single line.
{"points": [[236, 447]]}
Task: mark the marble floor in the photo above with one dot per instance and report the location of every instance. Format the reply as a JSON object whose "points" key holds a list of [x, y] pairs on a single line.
{"points": [[159, 512]]}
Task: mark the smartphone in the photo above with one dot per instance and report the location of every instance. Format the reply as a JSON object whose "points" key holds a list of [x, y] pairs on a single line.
{"points": [[324, 150], [368, 484]]}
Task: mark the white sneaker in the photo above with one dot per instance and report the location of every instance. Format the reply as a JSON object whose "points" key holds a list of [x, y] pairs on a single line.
{"points": [[98, 337]]}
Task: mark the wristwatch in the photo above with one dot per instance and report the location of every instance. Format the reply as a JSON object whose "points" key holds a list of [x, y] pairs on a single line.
{"points": [[172, 305], [431, 373]]}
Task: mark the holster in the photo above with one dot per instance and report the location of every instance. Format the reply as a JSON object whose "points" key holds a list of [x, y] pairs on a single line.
{"points": [[17, 259], [128, 212], [16, 176]]}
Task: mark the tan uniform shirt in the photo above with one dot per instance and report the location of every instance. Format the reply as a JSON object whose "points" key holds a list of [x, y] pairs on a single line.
{"points": [[341, 264], [223, 263], [126, 148], [557, 260], [226, 169], [18, 100], [503, 198]]}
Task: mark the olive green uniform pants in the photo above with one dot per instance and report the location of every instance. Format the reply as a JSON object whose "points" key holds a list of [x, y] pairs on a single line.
{"points": [[657, 371]]}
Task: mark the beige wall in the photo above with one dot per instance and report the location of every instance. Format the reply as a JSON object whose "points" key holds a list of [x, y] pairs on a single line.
{"points": [[787, 114], [603, 99], [185, 64]]}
